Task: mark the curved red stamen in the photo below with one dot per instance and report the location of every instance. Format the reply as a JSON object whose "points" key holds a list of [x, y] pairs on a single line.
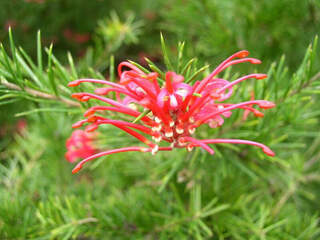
{"points": [[260, 103], [136, 135], [169, 86], [128, 65], [256, 112], [240, 54], [127, 111], [78, 167], [264, 148], [195, 106], [105, 91], [79, 123], [77, 82], [153, 77], [189, 97], [136, 79], [198, 142], [126, 124], [250, 60], [256, 76], [97, 120], [103, 99]]}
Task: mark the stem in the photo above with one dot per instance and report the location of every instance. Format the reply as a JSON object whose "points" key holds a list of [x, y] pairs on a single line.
{"points": [[306, 84], [36, 93]]}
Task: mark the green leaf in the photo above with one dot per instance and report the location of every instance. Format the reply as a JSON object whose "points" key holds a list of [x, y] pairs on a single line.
{"points": [[215, 210], [197, 73], [39, 51], [50, 71], [205, 228], [180, 55], [9, 101], [145, 112], [61, 70], [47, 110], [13, 53], [8, 64], [72, 67], [167, 177], [27, 69], [154, 68], [196, 197], [187, 66], [111, 69], [165, 54], [139, 66]]}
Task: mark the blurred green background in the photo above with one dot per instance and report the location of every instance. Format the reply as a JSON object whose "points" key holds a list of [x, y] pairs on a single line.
{"points": [[238, 194], [213, 29]]}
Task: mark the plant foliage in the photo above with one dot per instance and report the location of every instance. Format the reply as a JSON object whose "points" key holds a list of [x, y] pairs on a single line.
{"points": [[238, 193]]}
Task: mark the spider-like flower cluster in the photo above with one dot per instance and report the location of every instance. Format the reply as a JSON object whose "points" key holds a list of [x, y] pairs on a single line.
{"points": [[175, 109], [80, 145]]}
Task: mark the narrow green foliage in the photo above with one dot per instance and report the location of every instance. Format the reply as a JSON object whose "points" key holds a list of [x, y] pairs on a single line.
{"points": [[197, 73], [115, 32], [237, 193], [14, 57], [26, 69], [37, 110], [111, 69], [176, 165], [51, 72], [165, 54], [187, 67], [197, 94], [72, 67], [139, 66], [180, 55], [39, 51], [32, 82], [63, 74], [144, 113], [7, 68], [154, 68]]}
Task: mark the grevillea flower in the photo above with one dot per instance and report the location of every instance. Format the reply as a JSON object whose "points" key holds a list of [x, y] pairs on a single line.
{"points": [[75, 37], [175, 109], [80, 145]]}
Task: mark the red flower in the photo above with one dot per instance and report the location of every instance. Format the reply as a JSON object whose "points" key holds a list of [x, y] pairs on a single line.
{"points": [[76, 37], [80, 145], [176, 109], [21, 126]]}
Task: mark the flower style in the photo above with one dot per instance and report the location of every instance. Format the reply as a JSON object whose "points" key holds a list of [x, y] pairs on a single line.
{"points": [[173, 111], [80, 145]]}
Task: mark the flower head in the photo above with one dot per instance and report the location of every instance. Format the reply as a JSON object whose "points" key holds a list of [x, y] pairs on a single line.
{"points": [[173, 110], [80, 145]]}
